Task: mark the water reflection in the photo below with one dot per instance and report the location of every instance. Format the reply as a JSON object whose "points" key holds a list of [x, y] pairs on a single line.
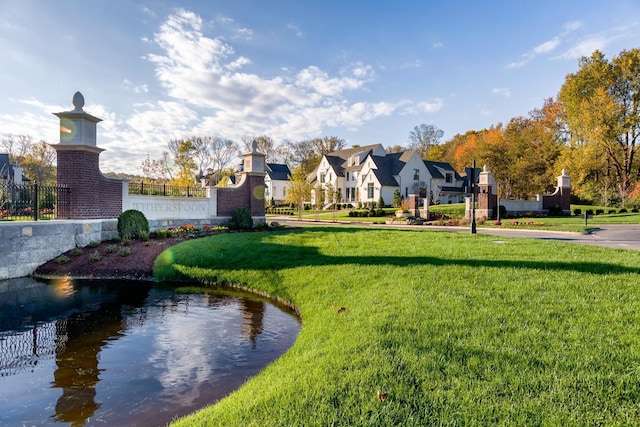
{"points": [[127, 353]]}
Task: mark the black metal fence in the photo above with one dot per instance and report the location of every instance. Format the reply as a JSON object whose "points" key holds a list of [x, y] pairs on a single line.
{"points": [[32, 201], [166, 190]]}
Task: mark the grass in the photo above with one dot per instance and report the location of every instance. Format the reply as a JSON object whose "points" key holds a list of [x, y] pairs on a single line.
{"points": [[564, 223], [455, 329]]}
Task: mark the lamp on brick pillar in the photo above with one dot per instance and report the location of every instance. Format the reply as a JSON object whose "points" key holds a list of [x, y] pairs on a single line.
{"points": [[78, 161]]}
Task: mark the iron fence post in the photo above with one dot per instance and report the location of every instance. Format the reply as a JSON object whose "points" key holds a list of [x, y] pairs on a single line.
{"points": [[35, 201]]}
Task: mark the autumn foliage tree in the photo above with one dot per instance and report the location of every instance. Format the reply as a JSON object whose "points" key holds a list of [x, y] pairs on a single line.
{"points": [[602, 110]]}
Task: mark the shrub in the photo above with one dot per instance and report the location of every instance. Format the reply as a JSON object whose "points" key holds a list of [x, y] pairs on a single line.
{"points": [[126, 242], [163, 234], [589, 212], [125, 252], [623, 210], [76, 252], [599, 211], [611, 211], [241, 219], [116, 239], [95, 256], [144, 236], [555, 210], [577, 212], [634, 210], [111, 249], [62, 259], [93, 244], [131, 224], [503, 212]]}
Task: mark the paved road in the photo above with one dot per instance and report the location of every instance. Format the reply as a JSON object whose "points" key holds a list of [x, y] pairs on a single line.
{"points": [[612, 236]]}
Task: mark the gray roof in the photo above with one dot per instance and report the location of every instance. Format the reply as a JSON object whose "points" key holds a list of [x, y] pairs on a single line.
{"points": [[278, 171], [6, 170], [338, 159], [435, 172]]}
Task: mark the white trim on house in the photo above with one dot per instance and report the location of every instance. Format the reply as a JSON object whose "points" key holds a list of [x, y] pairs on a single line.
{"points": [[364, 174]]}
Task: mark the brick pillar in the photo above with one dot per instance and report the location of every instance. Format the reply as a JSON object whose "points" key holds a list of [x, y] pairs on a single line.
{"points": [[414, 206], [487, 197], [91, 194]]}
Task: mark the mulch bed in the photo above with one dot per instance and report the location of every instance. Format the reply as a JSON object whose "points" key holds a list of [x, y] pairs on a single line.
{"points": [[137, 265]]}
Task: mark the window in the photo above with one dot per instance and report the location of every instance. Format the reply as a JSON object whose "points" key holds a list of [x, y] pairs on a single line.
{"points": [[284, 192], [449, 177], [370, 190], [347, 176], [353, 176], [322, 178], [416, 174]]}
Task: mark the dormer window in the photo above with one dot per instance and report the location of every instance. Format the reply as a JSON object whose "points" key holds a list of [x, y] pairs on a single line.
{"points": [[449, 177], [322, 178], [416, 174]]}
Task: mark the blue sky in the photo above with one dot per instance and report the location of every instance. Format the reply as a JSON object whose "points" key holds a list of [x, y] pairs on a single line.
{"points": [[364, 71]]}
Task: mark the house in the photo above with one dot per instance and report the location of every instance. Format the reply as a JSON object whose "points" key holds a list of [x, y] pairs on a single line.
{"points": [[447, 186], [11, 174], [276, 181], [366, 174]]}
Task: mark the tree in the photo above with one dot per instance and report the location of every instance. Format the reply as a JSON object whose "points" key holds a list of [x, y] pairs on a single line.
{"points": [[37, 159], [299, 189], [265, 145], [158, 169], [212, 152], [602, 104], [183, 151], [423, 137], [394, 149], [308, 154]]}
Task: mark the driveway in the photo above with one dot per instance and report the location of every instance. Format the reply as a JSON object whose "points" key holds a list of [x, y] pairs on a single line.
{"points": [[621, 236]]}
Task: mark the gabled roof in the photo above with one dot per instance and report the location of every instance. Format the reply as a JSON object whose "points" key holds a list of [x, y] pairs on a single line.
{"points": [[278, 171], [390, 165], [434, 169], [338, 160]]}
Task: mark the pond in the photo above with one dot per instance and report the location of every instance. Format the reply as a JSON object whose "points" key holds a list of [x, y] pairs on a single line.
{"points": [[128, 353]]}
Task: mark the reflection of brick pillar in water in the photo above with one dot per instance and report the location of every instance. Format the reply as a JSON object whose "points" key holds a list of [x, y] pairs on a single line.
{"points": [[92, 195], [252, 317], [79, 340]]}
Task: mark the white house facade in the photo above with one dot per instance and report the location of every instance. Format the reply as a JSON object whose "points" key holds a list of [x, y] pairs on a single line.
{"points": [[276, 183], [366, 174]]}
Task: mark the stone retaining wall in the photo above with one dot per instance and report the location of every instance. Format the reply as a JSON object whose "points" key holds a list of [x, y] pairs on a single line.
{"points": [[26, 245]]}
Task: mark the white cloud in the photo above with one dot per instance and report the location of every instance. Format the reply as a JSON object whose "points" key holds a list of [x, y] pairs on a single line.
{"points": [[547, 46], [501, 91], [204, 72], [298, 32], [586, 46], [415, 64], [572, 26], [431, 106]]}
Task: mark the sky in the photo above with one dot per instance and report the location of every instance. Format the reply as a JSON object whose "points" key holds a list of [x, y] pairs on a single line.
{"points": [[366, 71]]}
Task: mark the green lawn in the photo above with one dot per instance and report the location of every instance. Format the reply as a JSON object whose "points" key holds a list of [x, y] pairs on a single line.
{"points": [[564, 223], [454, 329]]}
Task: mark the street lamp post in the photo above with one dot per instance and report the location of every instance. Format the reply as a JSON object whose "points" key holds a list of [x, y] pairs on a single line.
{"points": [[472, 186]]}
